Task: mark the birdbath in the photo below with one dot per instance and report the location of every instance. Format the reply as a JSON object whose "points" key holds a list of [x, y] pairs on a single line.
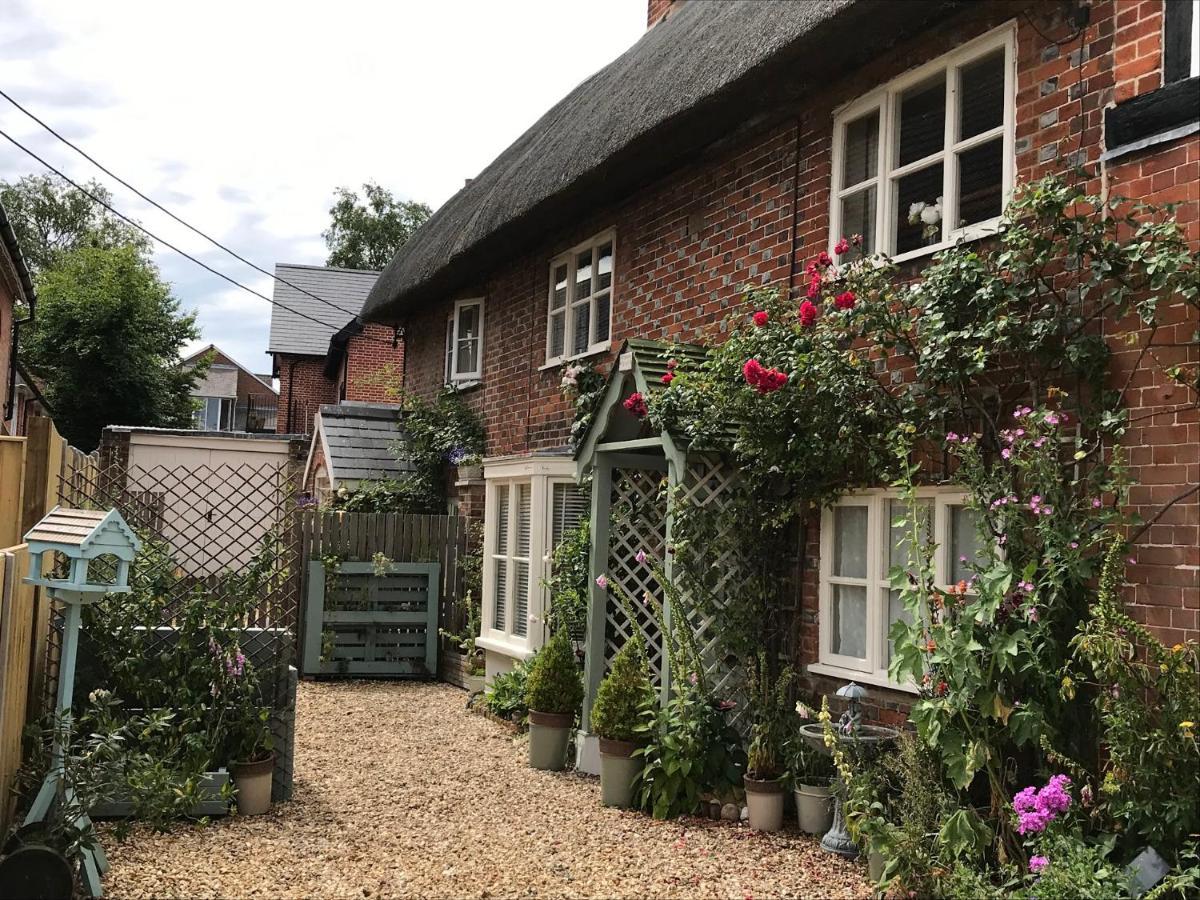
{"points": [[851, 732]]}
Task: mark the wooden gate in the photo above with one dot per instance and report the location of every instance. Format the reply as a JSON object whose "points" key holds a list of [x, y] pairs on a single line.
{"points": [[365, 618]]}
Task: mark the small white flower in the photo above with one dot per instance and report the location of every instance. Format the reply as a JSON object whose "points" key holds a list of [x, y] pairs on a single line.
{"points": [[931, 215], [914, 211]]}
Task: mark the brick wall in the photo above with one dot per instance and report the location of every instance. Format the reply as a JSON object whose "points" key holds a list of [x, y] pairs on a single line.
{"points": [[754, 210], [373, 368], [657, 9], [303, 387]]}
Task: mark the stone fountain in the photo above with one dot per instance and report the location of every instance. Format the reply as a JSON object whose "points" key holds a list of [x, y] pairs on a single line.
{"points": [[867, 740]]}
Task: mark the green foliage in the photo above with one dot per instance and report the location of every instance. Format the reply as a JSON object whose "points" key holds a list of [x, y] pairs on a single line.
{"points": [[805, 763], [583, 386], [625, 699], [554, 684], [52, 219], [107, 340], [770, 720], [505, 696], [366, 234], [569, 583]]}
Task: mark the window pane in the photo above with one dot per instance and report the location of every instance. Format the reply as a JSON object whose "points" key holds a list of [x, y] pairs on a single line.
{"points": [[468, 340], [919, 209], [600, 327], [981, 95], [468, 356], [896, 612], [520, 599], [850, 541], [449, 349], [604, 264], [922, 121], [559, 298], [558, 327], [523, 522], [849, 625], [963, 543], [501, 546], [858, 217], [900, 550], [980, 180], [579, 341], [860, 159], [583, 275], [500, 608]]}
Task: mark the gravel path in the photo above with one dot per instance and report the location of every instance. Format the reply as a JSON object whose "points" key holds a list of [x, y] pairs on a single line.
{"points": [[400, 792]]}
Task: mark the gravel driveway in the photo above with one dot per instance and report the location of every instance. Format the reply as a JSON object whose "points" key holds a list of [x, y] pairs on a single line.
{"points": [[400, 792]]}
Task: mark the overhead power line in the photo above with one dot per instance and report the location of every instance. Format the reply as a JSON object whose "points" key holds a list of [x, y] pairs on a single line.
{"points": [[163, 209]]}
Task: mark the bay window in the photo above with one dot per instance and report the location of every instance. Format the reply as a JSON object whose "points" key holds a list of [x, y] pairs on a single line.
{"points": [[927, 159], [863, 537]]}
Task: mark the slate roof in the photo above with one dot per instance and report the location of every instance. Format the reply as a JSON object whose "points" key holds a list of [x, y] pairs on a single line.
{"points": [[692, 80], [359, 438], [345, 288]]}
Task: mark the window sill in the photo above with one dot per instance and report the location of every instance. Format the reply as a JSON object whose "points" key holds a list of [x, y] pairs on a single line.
{"points": [[567, 360], [467, 385], [860, 677], [506, 646], [967, 235]]}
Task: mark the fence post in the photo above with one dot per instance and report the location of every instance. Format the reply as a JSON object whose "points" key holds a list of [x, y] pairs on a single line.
{"points": [[12, 478], [43, 464]]}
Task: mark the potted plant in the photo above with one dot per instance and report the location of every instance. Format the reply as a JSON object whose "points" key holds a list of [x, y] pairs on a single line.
{"points": [[621, 711], [811, 774], [765, 766], [254, 760], [553, 693]]}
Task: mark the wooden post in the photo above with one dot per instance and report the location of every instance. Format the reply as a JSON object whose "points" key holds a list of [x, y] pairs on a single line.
{"points": [[12, 479], [593, 670]]}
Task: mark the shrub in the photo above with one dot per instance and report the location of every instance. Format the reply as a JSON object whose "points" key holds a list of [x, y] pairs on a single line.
{"points": [[570, 583], [554, 685], [505, 696], [624, 699]]}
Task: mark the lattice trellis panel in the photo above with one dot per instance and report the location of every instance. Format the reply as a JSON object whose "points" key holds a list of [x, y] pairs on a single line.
{"points": [[212, 525], [639, 522]]}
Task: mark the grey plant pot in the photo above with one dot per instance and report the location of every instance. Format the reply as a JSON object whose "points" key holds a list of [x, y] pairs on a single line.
{"points": [[549, 734], [875, 863], [814, 807], [765, 802], [618, 769]]}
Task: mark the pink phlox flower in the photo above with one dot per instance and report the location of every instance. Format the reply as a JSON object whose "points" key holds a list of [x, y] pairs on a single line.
{"points": [[1006, 453], [1037, 863], [1096, 503], [1051, 419]]}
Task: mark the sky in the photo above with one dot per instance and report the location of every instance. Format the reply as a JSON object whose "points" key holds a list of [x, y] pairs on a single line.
{"points": [[242, 117]]}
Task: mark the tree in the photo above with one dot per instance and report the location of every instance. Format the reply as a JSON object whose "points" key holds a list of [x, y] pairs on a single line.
{"points": [[366, 235], [107, 342], [51, 218]]}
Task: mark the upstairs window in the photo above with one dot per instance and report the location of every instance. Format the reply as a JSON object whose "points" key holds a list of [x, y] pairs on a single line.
{"points": [[1181, 40], [579, 310], [213, 414], [927, 159], [464, 343]]}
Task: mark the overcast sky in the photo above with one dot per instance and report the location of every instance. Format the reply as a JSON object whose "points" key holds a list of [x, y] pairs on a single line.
{"points": [[242, 117]]}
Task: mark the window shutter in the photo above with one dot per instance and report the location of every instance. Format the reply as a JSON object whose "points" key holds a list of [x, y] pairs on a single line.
{"points": [[521, 562]]}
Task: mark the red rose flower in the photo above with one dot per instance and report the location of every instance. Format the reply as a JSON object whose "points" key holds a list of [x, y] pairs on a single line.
{"points": [[824, 260], [814, 287], [668, 378], [845, 300], [760, 318], [752, 372], [765, 381], [808, 314], [841, 246], [636, 404]]}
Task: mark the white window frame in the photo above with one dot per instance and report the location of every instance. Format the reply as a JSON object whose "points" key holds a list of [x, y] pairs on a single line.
{"points": [[1194, 62], [569, 258], [541, 475], [452, 375], [226, 410], [886, 99], [873, 670]]}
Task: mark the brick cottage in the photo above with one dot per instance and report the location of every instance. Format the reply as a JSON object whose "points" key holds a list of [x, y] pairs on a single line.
{"points": [[728, 146]]}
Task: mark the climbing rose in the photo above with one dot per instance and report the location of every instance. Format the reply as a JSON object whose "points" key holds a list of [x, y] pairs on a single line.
{"points": [[824, 260], [602, 582], [841, 246], [760, 318], [814, 287], [808, 314], [636, 404], [765, 381], [844, 300], [668, 377]]}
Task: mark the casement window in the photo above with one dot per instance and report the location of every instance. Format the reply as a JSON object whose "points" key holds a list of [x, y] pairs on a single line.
{"points": [[464, 343], [579, 309], [928, 158], [860, 543], [1181, 40], [214, 414], [529, 506]]}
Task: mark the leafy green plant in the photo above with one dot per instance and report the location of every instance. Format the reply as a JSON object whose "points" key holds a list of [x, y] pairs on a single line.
{"points": [[625, 698], [554, 684], [569, 583], [805, 763], [505, 696], [583, 386], [769, 720]]}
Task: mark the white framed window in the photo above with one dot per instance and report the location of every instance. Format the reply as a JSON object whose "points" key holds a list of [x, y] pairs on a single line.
{"points": [[928, 158], [214, 414], [860, 543], [579, 307], [464, 343], [529, 506]]}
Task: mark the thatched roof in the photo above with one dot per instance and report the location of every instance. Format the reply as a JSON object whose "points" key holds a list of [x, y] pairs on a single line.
{"points": [[705, 71]]}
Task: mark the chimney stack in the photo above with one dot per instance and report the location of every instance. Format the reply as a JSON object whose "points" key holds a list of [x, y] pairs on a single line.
{"points": [[657, 10]]}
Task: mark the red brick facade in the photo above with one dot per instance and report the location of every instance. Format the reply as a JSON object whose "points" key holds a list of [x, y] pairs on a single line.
{"points": [[303, 387], [757, 209]]}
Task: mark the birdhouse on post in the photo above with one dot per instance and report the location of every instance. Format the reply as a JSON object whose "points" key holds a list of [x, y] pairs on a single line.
{"points": [[82, 536]]}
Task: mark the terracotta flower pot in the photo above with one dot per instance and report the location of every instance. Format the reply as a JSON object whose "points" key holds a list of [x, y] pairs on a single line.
{"points": [[253, 783], [618, 769], [814, 807], [549, 734], [765, 801]]}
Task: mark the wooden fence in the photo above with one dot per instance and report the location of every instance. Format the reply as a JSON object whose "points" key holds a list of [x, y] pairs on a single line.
{"points": [[400, 537]]}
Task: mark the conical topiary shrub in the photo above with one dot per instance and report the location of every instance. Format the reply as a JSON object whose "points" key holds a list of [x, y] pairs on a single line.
{"points": [[622, 707], [553, 693]]}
